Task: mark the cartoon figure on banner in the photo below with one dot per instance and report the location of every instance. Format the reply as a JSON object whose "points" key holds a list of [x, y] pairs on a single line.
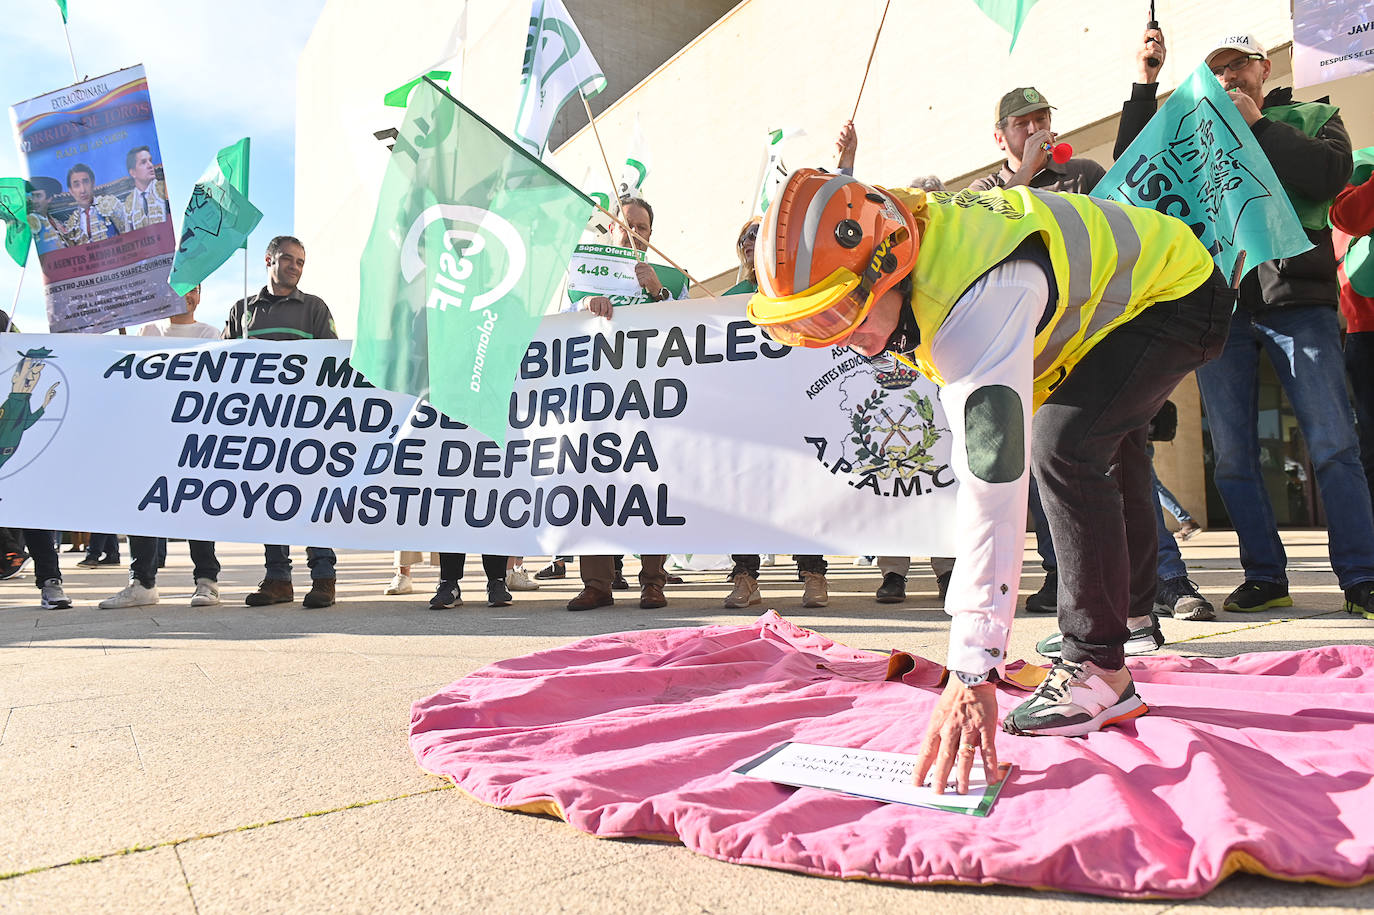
{"points": [[17, 415], [892, 435]]}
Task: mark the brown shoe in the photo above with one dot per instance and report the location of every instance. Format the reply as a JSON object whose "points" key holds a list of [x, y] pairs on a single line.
{"points": [[590, 599], [814, 592], [321, 594], [746, 593], [651, 597], [271, 591]]}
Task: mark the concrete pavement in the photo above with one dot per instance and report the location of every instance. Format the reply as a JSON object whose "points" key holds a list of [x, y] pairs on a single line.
{"points": [[233, 759]]}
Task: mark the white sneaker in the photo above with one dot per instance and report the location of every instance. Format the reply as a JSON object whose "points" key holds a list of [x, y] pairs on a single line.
{"points": [[135, 595], [400, 584], [1074, 700], [54, 598], [768, 559], [517, 579], [207, 593]]}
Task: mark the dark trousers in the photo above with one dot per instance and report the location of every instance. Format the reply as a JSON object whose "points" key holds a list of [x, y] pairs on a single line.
{"points": [[103, 546], [749, 564], [1359, 369], [146, 554], [1088, 454], [451, 566], [42, 546]]}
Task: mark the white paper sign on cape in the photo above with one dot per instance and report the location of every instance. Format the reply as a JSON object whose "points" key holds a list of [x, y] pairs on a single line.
{"points": [[677, 427]]}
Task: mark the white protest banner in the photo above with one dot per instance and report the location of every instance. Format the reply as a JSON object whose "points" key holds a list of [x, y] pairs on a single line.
{"points": [[99, 210], [677, 427], [610, 271], [1332, 39]]}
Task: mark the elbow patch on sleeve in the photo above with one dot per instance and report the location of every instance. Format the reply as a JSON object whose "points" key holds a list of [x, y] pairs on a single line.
{"points": [[994, 434]]}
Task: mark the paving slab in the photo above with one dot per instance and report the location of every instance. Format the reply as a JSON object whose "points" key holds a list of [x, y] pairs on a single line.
{"points": [[233, 742]]}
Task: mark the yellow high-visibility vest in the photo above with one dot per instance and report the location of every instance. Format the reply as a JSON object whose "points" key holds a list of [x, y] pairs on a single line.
{"points": [[1110, 260]]}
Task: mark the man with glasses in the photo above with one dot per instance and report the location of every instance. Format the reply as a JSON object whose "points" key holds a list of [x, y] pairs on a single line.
{"points": [[1287, 309]]}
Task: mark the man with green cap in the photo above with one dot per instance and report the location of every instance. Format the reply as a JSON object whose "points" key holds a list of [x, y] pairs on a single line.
{"points": [[1022, 131]]}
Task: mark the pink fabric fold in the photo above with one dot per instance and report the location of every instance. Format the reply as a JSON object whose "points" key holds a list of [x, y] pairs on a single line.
{"points": [[1259, 763]]}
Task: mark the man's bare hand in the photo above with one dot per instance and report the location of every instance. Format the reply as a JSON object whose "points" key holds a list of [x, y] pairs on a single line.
{"points": [[964, 721], [599, 305], [1246, 106], [648, 279], [846, 145], [1035, 155], [52, 392], [1152, 49]]}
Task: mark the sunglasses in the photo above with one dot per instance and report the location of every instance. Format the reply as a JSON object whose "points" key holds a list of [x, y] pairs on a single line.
{"points": [[750, 235]]}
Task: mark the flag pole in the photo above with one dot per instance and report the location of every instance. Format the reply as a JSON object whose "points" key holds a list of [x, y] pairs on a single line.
{"points": [[592, 120], [870, 59], [70, 54], [631, 232], [14, 306]]}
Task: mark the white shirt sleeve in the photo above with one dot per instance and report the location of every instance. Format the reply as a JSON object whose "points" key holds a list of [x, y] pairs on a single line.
{"points": [[988, 340]]}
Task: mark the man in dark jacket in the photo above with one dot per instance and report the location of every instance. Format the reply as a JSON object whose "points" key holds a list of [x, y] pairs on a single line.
{"points": [[1287, 309]]}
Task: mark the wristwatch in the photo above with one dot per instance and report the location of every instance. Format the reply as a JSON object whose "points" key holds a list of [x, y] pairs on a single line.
{"points": [[975, 679], [664, 293]]}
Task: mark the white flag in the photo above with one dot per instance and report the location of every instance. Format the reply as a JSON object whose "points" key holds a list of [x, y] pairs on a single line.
{"points": [[774, 170], [636, 164], [558, 65]]}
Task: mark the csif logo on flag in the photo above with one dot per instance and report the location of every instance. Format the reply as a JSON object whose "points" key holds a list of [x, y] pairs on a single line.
{"points": [[480, 256]]}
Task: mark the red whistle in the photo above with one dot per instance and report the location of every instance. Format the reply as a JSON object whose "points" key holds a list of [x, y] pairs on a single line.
{"points": [[1060, 152]]}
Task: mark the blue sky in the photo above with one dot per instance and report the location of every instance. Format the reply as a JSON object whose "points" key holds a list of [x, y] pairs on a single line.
{"points": [[216, 72]]}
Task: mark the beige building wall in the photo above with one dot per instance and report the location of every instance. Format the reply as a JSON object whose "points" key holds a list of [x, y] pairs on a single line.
{"points": [[706, 93]]}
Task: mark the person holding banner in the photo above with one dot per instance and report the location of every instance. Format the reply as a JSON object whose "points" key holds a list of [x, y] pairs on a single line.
{"points": [[1287, 309], [1088, 312], [280, 311]]}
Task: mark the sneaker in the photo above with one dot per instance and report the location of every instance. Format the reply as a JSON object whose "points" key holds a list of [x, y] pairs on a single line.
{"points": [[111, 561], [942, 583], [1179, 598], [555, 569], [54, 598], [746, 593], [620, 584], [12, 564], [447, 596], [517, 579], [865, 562], [1254, 596], [90, 562], [1046, 600], [1189, 529], [768, 559], [135, 595], [400, 584], [1142, 640], [1359, 599], [207, 593], [1073, 701], [892, 590], [814, 591], [497, 594]]}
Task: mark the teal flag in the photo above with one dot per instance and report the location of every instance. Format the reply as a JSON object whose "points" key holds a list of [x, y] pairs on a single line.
{"points": [[1009, 14], [62, 5], [14, 213], [470, 245], [1198, 160], [218, 219]]}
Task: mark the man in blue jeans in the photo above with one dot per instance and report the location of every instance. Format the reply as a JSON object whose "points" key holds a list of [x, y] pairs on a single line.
{"points": [[1287, 309]]}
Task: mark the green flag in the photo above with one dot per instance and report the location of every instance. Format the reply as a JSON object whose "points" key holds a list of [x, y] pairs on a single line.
{"points": [[14, 213], [218, 219], [469, 246], [62, 5], [1009, 14]]}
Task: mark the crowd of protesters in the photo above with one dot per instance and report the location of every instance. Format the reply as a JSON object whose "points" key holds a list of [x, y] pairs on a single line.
{"points": [[1288, 309]]}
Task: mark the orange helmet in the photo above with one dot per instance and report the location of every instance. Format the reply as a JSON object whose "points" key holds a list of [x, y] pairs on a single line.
{"points": [[828, 248]]}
